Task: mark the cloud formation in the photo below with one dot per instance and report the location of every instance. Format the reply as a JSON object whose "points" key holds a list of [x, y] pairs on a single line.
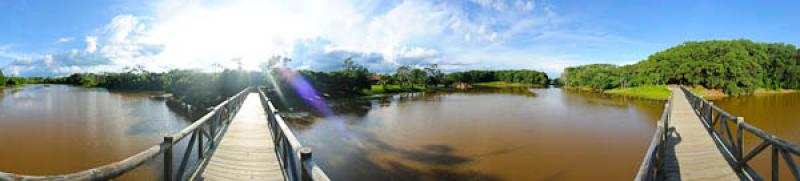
{"points": [[320, 34]]}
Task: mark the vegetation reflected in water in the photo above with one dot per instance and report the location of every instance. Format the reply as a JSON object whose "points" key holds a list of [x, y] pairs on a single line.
{"points": [[483, 135]]}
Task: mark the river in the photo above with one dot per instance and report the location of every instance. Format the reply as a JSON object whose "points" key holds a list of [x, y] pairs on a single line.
{"points": [[777, 114], [480, 134], [57, 129], [483, 134]]}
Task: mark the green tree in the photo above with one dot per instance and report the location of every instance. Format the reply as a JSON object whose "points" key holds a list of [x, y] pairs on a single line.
{"points": [[403, 75]]}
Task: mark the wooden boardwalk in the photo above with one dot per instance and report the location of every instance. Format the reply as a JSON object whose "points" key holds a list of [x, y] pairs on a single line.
{"points": [[691, 153], [246, 151]]}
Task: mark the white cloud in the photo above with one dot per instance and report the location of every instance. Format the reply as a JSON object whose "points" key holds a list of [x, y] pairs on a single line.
{"points": [[65, 39], [319, 34], [91, 44], [524, 5], [499, 5]]}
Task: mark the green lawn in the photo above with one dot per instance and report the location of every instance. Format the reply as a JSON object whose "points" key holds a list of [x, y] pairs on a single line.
{"points": [[655, 92]]}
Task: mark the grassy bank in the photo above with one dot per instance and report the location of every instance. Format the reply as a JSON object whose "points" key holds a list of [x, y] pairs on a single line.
{"points": [[396, 88], [708, 94], [654, 92], [503, 84]]}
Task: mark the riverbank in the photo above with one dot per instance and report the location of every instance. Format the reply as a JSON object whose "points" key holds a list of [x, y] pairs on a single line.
{"points": [[381, 91], [661, 92], [653, 92], [503, 84]]}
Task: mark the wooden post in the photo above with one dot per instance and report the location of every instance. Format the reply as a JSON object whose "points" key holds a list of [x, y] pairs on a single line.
{"points": [[305, 155], [709, 113], [168, 158], [739, 138], [775, 167], [199, 144]]}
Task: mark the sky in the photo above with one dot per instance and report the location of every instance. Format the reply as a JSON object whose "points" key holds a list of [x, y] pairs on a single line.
{"points": [[57, 38]]}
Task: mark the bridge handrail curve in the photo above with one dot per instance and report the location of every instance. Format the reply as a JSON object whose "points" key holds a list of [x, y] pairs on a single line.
{"points": [[219, 115], [716, 121], [295, 159]]}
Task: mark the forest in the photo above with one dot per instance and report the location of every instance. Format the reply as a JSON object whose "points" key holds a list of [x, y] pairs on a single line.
{"points": [[206, 89], [733, 66], [192, 87]]}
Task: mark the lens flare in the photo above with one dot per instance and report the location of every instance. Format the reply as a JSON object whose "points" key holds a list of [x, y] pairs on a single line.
{"points": [[311, 96]]}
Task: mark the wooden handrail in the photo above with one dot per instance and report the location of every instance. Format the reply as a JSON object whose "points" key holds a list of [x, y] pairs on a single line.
{"points": [[220, 115], [714, 117], [295, 159], [648, 170]]}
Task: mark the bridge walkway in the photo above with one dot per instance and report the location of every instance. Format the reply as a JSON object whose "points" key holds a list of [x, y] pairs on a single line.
{"points": [[691, 153], [246, 151]]}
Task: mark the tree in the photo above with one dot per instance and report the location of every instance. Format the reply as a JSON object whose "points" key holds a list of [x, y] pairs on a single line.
{"points": [[403, 75], [418, 77], [435, 75], [2, 78]]}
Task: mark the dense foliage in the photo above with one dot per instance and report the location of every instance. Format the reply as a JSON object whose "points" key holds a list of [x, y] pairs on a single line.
{"points": [[10, 81], [342, 83], [734, 66], [513, 76], [195, 88]]}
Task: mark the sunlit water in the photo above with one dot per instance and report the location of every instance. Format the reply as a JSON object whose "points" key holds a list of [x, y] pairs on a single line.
{"points": [[484, 135], [57, 129], [777, 114]]}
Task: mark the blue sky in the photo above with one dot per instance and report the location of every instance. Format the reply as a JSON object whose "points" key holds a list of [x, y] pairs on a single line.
{"points": [[55, 38]]}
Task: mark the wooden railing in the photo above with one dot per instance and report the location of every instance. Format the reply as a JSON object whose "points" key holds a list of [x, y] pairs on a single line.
{"points": [[295, 159], [210, 126], [648, 170], [719, 123]]}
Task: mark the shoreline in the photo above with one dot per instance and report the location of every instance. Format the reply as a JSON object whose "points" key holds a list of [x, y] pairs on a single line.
{"points": [[661, 92]]}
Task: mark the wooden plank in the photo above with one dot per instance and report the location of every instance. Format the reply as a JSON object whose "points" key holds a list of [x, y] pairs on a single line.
{"points": [[691, 153], [246, 151]]}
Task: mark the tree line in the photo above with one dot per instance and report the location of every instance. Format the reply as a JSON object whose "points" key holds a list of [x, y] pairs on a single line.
{"points": [[513, 76], [198, 89], [353, 78], [10, 81], [204, 89], [734, 66]]}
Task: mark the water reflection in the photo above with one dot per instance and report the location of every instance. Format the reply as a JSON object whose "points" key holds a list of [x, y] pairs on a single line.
{"points": [[56, 129], [774, 113], [484, 134]]}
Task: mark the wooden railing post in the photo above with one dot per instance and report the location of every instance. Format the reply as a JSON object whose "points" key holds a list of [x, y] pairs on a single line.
{"points": [[305, 155], [200, 154], [739, 138], [775, 167], [168, 158]]}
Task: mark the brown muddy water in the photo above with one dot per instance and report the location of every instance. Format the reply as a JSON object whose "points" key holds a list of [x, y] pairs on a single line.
{"points": [[58, 129], [481, 134], [777, 114], [484, 134]]}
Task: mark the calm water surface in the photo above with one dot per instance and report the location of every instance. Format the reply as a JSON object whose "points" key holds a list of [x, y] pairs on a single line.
{"points": [[553, 134], [57, 129], [778, 114]]}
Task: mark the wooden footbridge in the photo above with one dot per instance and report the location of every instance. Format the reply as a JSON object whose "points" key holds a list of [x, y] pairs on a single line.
{"points": [[242, 138], [696, 140]]}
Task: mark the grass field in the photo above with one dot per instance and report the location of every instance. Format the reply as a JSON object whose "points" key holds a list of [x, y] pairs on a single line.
{"points": [[654, 92]]}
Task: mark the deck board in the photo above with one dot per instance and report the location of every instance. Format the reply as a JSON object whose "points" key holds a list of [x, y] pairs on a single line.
{"points": [[246, 151], [692, 153]]}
